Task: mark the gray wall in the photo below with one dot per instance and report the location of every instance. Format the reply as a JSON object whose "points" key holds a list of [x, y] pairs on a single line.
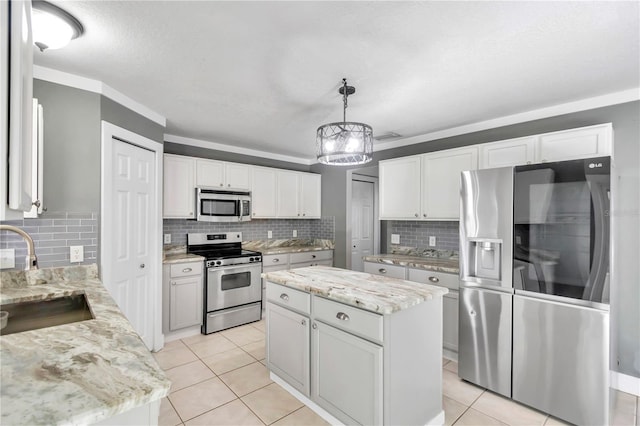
{"points": [[121, 116], [625, 292]]}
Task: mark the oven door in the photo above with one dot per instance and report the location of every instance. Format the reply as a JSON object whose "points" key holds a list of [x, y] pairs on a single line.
{"points": [[232, 286]]}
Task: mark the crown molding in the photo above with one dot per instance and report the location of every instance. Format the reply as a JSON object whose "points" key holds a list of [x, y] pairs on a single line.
{"points": [[96, 86], [236, 150]]}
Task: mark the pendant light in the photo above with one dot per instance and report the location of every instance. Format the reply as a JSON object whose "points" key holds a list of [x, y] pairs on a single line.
{"points": [[344, 143], [53, 27]]}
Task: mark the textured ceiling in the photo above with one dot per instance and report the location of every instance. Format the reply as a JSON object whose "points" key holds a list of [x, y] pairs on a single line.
{"points": [[264, 75]]}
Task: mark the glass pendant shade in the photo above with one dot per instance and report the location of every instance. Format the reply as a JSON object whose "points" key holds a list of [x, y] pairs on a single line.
{"points": [[344, 143]]}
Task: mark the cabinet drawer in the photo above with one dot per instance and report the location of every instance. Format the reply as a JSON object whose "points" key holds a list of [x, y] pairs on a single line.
{"points": [[328, 262], [354, 320], [289, 297], [310, 256], [441, 279], [275, 259], [185, 269], [393, 271]]}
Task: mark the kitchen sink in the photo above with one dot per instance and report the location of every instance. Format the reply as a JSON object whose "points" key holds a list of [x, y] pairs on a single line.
{"points": [[32, 315]]}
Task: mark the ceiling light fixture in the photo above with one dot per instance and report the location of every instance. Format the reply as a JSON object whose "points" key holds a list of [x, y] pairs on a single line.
{"points": [[345, 143], [53, 27]]}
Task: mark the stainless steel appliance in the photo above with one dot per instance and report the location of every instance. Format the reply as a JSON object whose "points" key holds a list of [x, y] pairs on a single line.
{"points": [[486, 291], [561, 281], [233, 289], [215, 205]]}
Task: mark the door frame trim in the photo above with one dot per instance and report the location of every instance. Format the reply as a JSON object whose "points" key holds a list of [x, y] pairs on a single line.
{"points": [[351, 176], [110, 131]]}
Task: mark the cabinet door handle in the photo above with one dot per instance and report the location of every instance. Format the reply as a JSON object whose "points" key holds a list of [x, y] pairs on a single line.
{"points": [[382, 271], [142, 266], [173, 283], [342, 316], [314, 326], [185, 270], [417, 215], [434, 279], [424, 215], [285, 297], [303, 322], [313, 256], [229, 185], [36, 203], [221, 184]]}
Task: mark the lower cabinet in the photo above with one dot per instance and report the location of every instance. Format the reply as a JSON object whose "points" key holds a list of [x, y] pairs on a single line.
{"points": [[393, 271], [347, 373], [450, 321], [182, 295]]}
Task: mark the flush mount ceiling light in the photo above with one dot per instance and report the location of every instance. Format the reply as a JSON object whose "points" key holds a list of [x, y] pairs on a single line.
{"points": [[53, 27], [345, 143]]}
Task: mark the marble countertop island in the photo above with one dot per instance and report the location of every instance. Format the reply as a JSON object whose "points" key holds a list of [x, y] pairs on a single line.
{"points": [[75, 373], [375, 293]]}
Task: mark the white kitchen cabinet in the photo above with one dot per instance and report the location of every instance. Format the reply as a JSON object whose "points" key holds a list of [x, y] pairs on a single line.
{"points": [[288, 195], [512, 152], [179, 186], [400, 181], [182, 295], [450, 321], [393, 271], [347, 375], [310, 195], [441, 181], [288, 346], [311, 258], [37, 162], [263, 192], [223, 175], [584, 142]]}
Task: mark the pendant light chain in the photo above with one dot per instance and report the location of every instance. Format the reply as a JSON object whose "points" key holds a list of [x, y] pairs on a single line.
{"points": [[344, 96]]}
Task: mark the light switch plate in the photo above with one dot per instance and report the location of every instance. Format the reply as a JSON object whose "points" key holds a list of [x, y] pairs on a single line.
{"points": [[395, 238], [7, 258], [269, 234], [295, 233], [76, 254], [167, 238], [432, 241]]}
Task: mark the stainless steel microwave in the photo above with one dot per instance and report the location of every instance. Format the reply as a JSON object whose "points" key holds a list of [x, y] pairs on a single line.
{"points": [[214, 205]]}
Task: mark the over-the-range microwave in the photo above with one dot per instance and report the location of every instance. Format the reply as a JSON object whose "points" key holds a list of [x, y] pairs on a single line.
{"points": [[214, 205]]}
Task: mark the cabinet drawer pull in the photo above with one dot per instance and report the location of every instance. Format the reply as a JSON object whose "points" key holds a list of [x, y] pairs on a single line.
{"points": [[434, 279], [313, 256], [382, 271], [185, 270], [276, 260], [285, 297], [342, 316]]}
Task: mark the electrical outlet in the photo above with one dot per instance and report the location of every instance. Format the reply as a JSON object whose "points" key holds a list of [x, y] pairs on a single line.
{"points": [[269, 234], [76, 254], [7, 258], [295, 233], [432, 241], [395, 238], [167, 238]]}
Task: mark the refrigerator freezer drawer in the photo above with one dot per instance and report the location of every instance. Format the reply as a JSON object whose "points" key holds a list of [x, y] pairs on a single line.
{"points": [[561, 359], [484, 355]]}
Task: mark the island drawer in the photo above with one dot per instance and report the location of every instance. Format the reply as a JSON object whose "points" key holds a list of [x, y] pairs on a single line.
{"points": [[348, 318], [275, 259], [185, 269], [441, 279], [311, 256], [289, 297], [393, 271]]}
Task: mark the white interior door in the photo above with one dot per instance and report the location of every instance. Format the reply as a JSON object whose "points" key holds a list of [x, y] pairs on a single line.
{"points": [[130, 229], [362, 222]]}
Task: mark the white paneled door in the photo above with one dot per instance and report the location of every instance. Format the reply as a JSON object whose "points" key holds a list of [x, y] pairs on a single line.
{"points": [[133, 195], [362, 218]]}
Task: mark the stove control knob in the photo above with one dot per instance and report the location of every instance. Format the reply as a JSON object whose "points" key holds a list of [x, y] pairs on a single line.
{"points": [[251, 259], [218, 262]]}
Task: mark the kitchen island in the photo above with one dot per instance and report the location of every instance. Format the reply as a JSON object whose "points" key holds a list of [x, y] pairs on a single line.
{"points": [[95, 370], [357, 348]]}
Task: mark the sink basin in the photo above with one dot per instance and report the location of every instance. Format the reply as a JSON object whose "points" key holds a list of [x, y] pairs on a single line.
{"points": [[25, 316]]}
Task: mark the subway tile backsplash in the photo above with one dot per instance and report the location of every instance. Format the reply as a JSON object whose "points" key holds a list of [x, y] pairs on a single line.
{"points": [[256, 229], [417, 233], [52, 236]]}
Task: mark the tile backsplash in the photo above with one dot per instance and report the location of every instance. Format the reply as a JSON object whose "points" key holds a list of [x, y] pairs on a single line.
{"points": [[417, 233], [52, 236], [256, 229]]}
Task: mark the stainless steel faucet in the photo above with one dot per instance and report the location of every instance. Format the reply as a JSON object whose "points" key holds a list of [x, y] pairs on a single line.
{"points": [[32, 260]]}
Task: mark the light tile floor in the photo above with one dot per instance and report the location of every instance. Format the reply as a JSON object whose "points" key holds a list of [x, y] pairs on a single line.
{"points": [[220, 379]]}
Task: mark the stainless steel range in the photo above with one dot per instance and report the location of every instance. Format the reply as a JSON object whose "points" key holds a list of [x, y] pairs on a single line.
{"points": [[233, 289]]}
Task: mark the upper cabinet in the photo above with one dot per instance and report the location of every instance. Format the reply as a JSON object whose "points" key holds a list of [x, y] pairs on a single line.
{"points": [[310, 195], [298, 195], [424, 187], [263, 192], [179, 186], [223, 175], [584, 142]]}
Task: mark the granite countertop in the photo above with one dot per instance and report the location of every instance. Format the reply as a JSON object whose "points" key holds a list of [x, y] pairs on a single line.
{"points": [[291, 249], [375, 293], [294, 245], [437, 264], [75, 373], [182, 258]]}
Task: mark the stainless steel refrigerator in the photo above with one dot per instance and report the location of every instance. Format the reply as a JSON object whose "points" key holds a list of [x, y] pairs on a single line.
{"points": [[534, 269]]}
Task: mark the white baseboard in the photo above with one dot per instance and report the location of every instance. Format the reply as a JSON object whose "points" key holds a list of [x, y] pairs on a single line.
{"points": [[625, 383], [449, 354]]}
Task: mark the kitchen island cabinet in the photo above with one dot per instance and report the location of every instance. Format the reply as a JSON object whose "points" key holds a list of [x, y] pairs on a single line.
{"points": [[375, 344]]}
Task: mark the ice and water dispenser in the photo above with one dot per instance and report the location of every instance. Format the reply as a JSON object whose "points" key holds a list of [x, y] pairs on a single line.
{"points": [[485, 259]]}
